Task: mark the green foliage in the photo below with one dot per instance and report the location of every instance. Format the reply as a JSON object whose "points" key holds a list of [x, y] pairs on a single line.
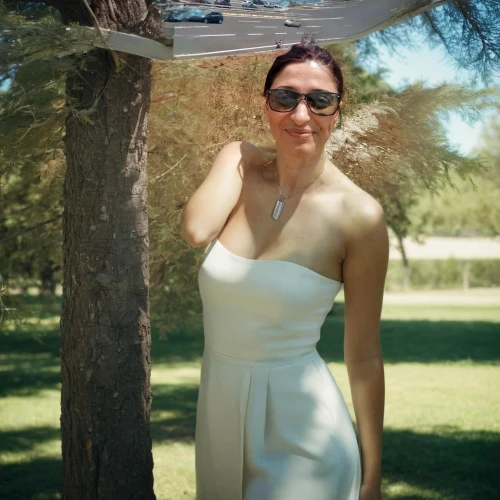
{"points": [[469, 30], [422, 159], [32, 114], [464, 207], [442, 274], [489, 148]]}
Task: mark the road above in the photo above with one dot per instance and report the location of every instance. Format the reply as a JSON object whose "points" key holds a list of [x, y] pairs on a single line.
{"points": [[246, 31]]}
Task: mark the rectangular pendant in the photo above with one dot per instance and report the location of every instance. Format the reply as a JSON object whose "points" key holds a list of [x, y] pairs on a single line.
{"points": [[277, 209]]}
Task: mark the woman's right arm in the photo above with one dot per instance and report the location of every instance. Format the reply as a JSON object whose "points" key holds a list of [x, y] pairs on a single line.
{"points": [[208, 209]]}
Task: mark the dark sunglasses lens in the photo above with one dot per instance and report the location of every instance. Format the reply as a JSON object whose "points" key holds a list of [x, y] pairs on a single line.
{"points": [[283, 100], [323, 103]]}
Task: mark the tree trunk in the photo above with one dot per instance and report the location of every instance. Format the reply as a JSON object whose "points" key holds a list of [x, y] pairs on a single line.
{"points": [[465, 275], [105, 329], [404, 261]]}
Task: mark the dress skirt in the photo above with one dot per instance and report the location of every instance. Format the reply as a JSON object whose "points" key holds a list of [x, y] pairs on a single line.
{"points": [[273, 430]]}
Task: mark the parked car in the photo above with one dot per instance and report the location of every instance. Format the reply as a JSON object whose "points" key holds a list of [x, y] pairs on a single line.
{"points": [[249, 5], [272, 5], [174, 16], [195, 15], [293, 22], [213, 17], [226, 3]]}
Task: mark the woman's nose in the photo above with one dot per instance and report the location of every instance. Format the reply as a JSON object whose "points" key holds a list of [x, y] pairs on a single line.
{"points": [[301, 112]]}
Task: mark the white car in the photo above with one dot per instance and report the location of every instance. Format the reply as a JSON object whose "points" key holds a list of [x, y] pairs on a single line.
{"points": [[248, 5], [293, 22]]}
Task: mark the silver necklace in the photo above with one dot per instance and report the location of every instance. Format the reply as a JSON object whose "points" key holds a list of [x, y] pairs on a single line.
{"points": [[278, 208]]}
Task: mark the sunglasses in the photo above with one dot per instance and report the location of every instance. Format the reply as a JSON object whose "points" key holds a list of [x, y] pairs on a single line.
{"points": [[320, 103]]}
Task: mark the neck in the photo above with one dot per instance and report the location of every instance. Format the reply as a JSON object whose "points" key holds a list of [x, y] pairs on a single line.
{"points": [[294, 173]]}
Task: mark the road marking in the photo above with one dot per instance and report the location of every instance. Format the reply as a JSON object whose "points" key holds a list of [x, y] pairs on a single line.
{"points": [[281, 33], [180, 56], [323, 18], [254, 34], [313, 26], [224, 34]]}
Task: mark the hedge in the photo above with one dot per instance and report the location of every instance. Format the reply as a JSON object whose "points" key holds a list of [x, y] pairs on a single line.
{"points": [[440, 274]]}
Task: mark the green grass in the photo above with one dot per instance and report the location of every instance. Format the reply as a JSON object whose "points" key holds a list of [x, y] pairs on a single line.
{"points": [[442, 436]]}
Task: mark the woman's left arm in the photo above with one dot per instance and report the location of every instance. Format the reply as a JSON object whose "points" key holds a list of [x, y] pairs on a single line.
{"points": [[364, 269]]}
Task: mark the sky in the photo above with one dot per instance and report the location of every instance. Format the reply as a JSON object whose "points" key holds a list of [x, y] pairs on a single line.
{"points": [[434, 67]]}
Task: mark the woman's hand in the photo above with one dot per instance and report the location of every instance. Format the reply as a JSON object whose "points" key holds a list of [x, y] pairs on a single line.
{"points": [[368, 492], [256, 156]]}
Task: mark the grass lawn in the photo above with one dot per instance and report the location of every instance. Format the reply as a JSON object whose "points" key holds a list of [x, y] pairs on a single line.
{"points": [[442, 438]]}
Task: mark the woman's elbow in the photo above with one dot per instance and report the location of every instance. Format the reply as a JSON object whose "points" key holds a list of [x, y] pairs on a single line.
{"points": [[196, 238]]}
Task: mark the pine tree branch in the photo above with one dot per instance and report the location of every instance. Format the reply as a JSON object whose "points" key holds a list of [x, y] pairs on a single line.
{"points": [[116, 59], [26, 230]]}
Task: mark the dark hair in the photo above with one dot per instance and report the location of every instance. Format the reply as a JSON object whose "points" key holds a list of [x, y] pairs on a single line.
{"points": [[302, 52]]}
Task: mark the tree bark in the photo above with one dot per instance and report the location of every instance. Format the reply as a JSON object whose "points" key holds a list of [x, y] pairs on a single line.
{"points": [[105, 328]]}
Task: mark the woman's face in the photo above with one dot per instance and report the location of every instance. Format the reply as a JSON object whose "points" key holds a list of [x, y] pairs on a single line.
{"points": [[301, 131]]}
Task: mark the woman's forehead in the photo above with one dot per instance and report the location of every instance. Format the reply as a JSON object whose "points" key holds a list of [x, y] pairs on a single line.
{"points": [[306, 76]]}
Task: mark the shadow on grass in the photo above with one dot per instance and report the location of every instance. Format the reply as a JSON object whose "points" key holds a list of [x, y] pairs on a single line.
{"points": [[36, 479], [448, 463], [417, 341], [174, 412], [25, 439], [29, 362], [27, 377], [453, 464], [413, 341]]}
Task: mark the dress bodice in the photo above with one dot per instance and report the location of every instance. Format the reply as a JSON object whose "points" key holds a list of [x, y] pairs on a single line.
{"points": [[261, 310]]}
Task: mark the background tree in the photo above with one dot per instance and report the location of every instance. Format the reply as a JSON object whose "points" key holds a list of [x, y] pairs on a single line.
{"points": [[465, 207], [32, 162], [468, 29], [105, 331]]}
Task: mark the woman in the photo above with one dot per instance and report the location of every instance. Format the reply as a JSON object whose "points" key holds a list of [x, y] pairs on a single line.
{"points": [[286, 230]]}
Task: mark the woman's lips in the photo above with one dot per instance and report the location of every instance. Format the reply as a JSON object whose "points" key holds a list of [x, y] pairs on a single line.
{"points": [[298, 133]]}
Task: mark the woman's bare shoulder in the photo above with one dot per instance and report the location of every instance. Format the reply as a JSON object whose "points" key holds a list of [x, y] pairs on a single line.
{"points": [[361, 211], [246, 155]]}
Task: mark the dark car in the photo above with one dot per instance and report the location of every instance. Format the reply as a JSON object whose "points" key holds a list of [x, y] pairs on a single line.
{"points": [[258, 2], [213, 17], [226, 3]]}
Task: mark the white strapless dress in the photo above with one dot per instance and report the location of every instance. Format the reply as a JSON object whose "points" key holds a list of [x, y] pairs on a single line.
{"points": [[271, 422]]}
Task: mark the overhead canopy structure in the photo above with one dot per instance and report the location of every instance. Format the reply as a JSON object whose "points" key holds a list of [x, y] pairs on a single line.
{"points": [[188, 35]]}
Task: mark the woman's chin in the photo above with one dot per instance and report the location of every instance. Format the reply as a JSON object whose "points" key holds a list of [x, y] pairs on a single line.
{"points": [[301, 147]]}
